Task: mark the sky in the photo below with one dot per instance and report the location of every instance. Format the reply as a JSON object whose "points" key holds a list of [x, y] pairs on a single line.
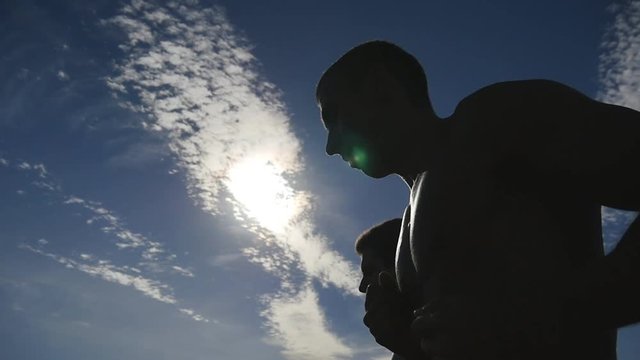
{"points": [[165, 191]]}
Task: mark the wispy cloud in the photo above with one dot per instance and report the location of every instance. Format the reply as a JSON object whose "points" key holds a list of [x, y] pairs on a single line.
{"points": [[62, 75], [620, 58], [153, 257], [614, 224], [109, 272], [299, 324], [121, 275], [197, 82], [620, 84]]}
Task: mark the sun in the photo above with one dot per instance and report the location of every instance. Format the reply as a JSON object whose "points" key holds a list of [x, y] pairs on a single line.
{"points": [[263, 193]]}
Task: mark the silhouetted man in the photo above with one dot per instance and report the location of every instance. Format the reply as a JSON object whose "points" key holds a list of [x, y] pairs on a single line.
{"points": [[377, 247], [501, 247]]}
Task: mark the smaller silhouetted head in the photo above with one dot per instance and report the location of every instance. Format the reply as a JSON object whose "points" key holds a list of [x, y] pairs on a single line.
{"points": [[377, 249], [370, 99]]}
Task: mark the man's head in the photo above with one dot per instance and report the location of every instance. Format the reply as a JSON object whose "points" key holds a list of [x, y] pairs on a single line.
{"points": [[377, 249], [370, 100]]}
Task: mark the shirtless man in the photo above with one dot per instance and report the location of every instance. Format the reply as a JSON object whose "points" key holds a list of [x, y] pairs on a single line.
{"points": [[501, 247], [376, 248]]}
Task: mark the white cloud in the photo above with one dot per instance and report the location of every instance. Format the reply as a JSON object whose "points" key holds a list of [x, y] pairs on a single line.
{"points": [[62, 75], [197, 82], [225, 259], [43, 181], [139, 153], [298, 324], [24, 166], [105, 270], [194, 315], [620, 59], [620, 84], [614, 224], [153, 257], [182, 271]]}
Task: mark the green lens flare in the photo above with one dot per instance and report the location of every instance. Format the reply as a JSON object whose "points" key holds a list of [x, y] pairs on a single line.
{"points": [[359, 157]]}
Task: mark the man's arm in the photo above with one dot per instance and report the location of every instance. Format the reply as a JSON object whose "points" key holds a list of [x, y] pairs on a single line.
{"points": [[607, 293], [388, 317], [593, 149]]}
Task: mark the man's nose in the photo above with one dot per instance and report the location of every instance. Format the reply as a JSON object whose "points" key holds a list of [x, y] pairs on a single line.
{"points": [[363, 286], [332, 146]]}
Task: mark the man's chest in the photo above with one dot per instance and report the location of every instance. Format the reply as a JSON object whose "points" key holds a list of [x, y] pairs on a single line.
{"points": [[454, 237]]}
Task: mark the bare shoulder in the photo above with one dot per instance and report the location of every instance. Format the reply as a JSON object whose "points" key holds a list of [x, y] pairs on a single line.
{"points": [[519, 97], [539, 109], [556, 133]]}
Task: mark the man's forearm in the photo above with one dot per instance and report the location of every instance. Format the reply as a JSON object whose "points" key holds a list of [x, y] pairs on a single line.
{"points": [[608, 292]]}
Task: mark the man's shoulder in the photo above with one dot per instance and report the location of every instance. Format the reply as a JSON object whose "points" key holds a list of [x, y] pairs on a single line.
{"points": [[520, 102], [510, 93]]}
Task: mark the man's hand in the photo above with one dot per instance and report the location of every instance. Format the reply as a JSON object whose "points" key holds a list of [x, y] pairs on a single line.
{"points": [[388, 317], [439, 330], [453, 329]]}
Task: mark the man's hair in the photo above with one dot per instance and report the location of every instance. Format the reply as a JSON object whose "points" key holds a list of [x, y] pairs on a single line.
{"points": [[382, 238], [354, 66]]}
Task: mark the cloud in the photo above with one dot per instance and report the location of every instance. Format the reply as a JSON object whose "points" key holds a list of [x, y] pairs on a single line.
{"points": [[153, 257], [619, 70], [196, 81], [104, 270], [298, 324], [139, 153], [109, 272], [620, 59], [62, 75], [614, 224]]}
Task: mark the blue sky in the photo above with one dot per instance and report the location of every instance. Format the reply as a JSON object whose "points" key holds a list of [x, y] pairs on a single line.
{"points": [[165, 192]]}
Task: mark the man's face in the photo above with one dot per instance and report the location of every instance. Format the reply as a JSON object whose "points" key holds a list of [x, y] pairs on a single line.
{"points": [[359, 126], [371, 265]]}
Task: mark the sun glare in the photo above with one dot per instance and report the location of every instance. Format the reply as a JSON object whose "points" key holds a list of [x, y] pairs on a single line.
{"points": [[263, 193]]}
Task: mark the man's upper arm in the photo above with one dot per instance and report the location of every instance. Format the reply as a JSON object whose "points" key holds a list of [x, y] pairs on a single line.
{"points": [[619, 170], [605, 163], [576, 144]]}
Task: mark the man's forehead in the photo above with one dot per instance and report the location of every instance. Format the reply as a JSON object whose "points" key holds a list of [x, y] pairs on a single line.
{"points": [[328, 110], [371, 257]]}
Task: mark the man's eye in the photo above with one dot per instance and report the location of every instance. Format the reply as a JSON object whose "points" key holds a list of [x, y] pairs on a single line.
{"points": [[328, 115]]}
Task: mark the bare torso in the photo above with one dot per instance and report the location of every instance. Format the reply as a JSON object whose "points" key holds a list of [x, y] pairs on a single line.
{"points": [[505, 268], [499, 239]]}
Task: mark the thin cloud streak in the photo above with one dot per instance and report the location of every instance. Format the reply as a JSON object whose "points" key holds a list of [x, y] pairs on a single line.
{"points": [[619, 71], [109, 272], [153, 255], [105, 270], [620, 59], [299, 324], [110, 224], [197, 82]]}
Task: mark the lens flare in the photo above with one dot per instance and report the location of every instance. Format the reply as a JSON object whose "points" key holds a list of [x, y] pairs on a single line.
{"points": [[359, 157]]}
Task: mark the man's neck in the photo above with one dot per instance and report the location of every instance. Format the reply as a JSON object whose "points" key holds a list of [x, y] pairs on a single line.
{"points": [[425, 148]]}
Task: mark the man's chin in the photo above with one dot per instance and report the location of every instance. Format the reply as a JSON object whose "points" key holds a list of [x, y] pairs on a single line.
{"points": [[375, 173]]}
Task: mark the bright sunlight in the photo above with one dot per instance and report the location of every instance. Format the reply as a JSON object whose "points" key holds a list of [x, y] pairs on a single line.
{"points": [[263, 193]]}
